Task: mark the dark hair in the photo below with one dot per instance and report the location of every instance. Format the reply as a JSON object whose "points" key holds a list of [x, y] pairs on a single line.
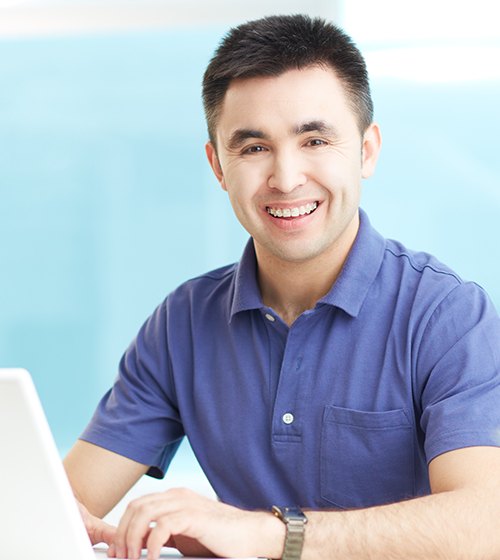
{"points": [[273, 45]]}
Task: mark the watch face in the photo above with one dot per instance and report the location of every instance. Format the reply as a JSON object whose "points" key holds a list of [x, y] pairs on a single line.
{"points": [[294, 512], [290, 513]]}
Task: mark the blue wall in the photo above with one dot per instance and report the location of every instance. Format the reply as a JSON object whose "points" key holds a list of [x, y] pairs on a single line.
{"points": [[107, 202], [437, 187]]}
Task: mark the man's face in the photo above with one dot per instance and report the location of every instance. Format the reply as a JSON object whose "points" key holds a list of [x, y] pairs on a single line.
{"points": [[291, 158]]}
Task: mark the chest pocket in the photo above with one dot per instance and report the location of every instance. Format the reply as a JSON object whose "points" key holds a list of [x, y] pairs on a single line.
{"points": [[366, 457]]}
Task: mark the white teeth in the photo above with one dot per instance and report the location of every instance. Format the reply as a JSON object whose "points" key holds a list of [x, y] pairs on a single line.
{"points": [[292, 212]]}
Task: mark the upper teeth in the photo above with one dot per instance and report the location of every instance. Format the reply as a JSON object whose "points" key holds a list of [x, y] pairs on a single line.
{"points": [[292, 212]]}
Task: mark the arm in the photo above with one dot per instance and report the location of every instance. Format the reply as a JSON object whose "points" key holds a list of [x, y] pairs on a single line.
{"points": [[99, 479], [459, 520]]}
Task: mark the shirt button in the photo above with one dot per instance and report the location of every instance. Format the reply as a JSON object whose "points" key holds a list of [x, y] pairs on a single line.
{"points": [[288, 418], [269, 317]]}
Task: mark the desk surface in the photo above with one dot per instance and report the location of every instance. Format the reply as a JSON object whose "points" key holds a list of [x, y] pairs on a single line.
{"points": [[100, 553]]}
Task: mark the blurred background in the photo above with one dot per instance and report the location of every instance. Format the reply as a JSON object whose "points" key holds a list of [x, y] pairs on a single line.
{"points": [[107, 202]]}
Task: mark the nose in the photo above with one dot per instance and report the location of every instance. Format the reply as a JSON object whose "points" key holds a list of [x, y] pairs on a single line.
{"points": [[287, 172]]}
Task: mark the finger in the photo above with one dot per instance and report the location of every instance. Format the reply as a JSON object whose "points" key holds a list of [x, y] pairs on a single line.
{"points": [[111, 551], [189, 546], [134, 526], [175, 528], [121, 532], [102, 532], [138, 530], [158, 536], [98, 530], [120, 541], [172, 542]]}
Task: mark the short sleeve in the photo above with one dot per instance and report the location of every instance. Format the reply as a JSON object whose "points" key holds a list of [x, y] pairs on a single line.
{"points": [[138, 417], [459, 373]]}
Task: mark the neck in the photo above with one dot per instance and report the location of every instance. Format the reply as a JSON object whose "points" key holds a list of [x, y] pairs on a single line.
{"points": [[291, 288]]}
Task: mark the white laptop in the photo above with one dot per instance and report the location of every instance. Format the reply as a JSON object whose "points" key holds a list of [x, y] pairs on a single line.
{"points": [[39, 518]]}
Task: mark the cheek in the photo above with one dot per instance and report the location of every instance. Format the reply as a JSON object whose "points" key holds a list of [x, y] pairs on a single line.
{"points": [[340, 174], [245, 181], [240, 196], [331, 175]]}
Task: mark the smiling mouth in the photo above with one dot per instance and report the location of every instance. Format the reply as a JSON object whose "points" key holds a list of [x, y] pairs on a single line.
{"points": [[293, 212]]}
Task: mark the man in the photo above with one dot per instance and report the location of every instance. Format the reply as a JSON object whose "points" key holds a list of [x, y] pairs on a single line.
{"points": [[330, 370]]}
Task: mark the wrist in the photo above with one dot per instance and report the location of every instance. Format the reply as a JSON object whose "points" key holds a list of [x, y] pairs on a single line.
{"points": [[295, 522], [272, 536]]}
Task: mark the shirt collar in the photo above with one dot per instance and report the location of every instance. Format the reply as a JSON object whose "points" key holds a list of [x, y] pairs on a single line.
{"points": [[347, 293], [246, 288], [359, 271]]}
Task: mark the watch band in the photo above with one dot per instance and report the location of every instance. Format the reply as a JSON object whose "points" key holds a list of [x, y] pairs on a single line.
{"points": [[295, 521]]}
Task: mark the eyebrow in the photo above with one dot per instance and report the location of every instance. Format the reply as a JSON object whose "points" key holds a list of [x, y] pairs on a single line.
{"points": [[316, 126], [239, 136]]}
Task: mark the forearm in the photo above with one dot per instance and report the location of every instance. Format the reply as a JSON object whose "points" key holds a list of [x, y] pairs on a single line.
{"points": [[451, 525], [100, 478]]}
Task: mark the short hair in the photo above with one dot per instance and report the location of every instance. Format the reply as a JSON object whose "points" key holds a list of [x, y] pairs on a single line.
{"points": [[273, 45]]}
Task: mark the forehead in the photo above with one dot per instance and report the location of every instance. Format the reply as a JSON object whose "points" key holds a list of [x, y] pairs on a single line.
{"points": [[295, 96]]}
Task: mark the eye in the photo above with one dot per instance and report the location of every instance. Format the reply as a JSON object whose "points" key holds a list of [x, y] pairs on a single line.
{"points": [[316, 142], [254, 149]]}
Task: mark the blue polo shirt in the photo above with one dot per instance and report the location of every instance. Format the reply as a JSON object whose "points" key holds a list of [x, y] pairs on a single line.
{"points": [[398, 363]]}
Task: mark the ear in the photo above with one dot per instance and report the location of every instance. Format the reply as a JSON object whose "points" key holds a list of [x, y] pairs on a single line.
{"points": [[372, 143], [214, 162]]}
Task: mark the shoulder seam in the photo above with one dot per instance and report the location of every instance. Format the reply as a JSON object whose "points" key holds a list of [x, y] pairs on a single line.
{"points": [[217, 274], [423, 267]]}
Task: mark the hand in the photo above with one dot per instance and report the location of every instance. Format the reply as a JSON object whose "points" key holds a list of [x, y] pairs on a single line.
{"points": [[98, 530], [197, 525]]}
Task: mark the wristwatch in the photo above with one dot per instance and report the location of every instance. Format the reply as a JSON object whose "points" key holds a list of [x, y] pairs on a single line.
{"points": [[295, 521]]}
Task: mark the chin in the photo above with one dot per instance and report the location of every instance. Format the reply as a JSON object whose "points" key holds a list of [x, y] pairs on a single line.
{"points": [[298, 256]]}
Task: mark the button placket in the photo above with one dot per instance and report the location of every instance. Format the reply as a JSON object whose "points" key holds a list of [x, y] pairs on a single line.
{"points": [[286, 415]]}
